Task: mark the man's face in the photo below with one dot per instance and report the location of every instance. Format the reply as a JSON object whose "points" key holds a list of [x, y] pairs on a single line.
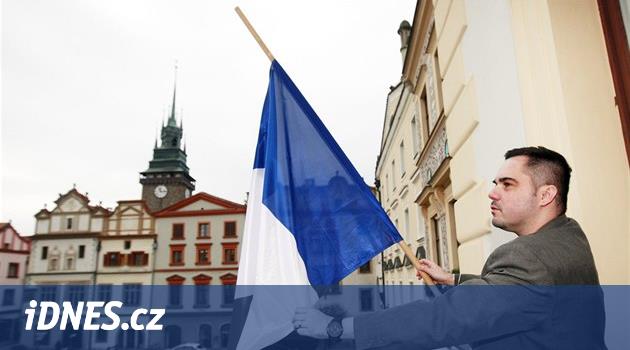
{"points": [[513, 197]]}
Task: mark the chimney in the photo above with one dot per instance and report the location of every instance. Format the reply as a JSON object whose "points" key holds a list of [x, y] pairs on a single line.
{"points": [[405, 32]]}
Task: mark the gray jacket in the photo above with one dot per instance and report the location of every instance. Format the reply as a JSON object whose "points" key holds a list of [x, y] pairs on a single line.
{"points": [[539, 291]]}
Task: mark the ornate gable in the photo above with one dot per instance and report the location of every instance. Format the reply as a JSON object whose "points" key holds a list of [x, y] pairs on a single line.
{"points": [[202, 203]]}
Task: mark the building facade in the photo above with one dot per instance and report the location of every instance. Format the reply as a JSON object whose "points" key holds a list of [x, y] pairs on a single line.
{"points": [[64, 246], [14, 254], [480, 78]]}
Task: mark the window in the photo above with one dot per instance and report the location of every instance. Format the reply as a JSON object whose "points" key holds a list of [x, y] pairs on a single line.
{"points": [[175, 295], [127, 244], [406, 222], [229, 253], [48, 293], [229, 282], [75, 293], [53, 264], [205, 336], [366, 268], [69, 264], [415, 135], [178, 231], [229, 229], [402, 159], [225, 335], [424, 112], [29, 294], [68, 223], [436, 234], [81, 251], [367, 302], [393, 175], [131, 294], [112, 259], [177, 254], [8, 297], [203, 230], [14, 269], [138, 259], [203, 254], [44, 253], [202, 295], [104, 292]]}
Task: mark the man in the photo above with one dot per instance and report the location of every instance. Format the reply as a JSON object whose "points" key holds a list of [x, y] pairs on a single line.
{"points": [[539, 291]]}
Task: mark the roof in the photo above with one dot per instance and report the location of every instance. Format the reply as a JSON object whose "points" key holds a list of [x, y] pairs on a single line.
{"points": [[229, 206]]}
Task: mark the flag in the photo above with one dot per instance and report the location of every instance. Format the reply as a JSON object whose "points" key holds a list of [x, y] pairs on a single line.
{"points": [[311, 219]]}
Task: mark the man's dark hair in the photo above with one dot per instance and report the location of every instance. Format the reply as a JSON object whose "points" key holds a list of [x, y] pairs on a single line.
{"points": [[547, 167]]}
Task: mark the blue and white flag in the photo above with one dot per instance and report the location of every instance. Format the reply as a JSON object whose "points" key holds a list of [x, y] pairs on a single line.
{"points": [[311, 219]]}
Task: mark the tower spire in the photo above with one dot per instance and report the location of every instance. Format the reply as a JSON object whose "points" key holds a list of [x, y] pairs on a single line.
{"points": [[171, 119]]}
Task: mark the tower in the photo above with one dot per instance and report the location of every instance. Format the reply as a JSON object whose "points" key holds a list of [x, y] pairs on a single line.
{"points": [[167, 180]]}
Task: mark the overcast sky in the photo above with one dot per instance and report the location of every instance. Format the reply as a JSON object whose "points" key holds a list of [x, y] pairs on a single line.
{"points": [[86, 85]]}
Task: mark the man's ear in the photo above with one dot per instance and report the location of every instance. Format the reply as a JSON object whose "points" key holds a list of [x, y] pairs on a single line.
{"points": [[548, 194]]}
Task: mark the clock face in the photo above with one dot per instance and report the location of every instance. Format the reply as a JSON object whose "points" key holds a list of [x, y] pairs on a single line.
{"points": [[160, 191]]}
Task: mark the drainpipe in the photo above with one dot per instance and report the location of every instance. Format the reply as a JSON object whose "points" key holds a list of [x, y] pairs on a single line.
{"points": [[377, 184]]}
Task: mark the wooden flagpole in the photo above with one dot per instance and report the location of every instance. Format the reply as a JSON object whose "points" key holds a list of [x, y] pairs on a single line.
{"points": [[405, 248], [253, 33]]}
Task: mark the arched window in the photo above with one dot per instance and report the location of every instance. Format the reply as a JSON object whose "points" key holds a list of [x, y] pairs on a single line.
{"points": [[225, 335], [205, 336]]}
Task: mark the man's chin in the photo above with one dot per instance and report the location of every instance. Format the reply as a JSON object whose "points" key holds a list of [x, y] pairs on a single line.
{"points": [[498, 223]]}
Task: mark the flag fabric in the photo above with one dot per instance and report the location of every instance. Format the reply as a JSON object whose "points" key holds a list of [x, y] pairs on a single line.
{"points": [[311, 219]]}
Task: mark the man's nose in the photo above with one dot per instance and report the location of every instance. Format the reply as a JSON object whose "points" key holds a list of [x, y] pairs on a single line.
{"points": [[493, 195]]}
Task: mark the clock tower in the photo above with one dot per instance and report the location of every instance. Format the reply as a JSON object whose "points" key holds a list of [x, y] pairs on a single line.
{"points": [[167, 180]]}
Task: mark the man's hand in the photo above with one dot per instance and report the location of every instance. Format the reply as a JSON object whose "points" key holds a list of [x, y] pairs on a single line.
{"points": [[436, 272], [311, 322]]}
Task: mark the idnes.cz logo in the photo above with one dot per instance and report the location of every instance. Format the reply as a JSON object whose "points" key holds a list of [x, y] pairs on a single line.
{"points": [[91, 317]]}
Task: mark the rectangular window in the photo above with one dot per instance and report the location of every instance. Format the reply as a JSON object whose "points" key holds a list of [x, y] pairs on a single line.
{"points": [[203, 254], [69, 224], [48, 293], [229, 229], [424, 112], [81, 251], [366, 268], [53, 264], [202, 295], [44, 253], [229, 253], [75, 293], [402, 159], [415, 135], [8, 297], [112, 259], [29, 294], [393, 175], [367, 301], [406, 223], [104, 292], [203, 230], [177, 254], [228, 294], [436, 235], [175, 295], [137, 259], [178, 231], [131, 294], [14, 269], [127, 244]]}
